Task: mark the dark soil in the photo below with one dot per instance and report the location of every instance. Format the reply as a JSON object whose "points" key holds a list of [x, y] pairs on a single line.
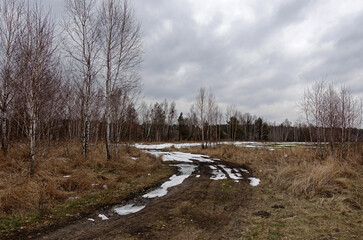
{"points": [[199, 208]]}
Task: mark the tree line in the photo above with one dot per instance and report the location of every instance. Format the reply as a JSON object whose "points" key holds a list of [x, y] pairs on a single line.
{"points": [[57, 80], [79, 81]]}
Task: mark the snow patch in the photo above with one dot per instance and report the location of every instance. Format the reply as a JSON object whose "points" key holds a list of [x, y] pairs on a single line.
{"points": [[127, 209], [103, 217], [268, 145], [217, 174], [185, 169], [254, 181], [230, 173], [185, 157], [67, 176], [91, 219]]}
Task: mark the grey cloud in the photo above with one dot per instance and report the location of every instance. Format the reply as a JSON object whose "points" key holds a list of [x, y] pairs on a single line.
{"points": [[225, 63]]}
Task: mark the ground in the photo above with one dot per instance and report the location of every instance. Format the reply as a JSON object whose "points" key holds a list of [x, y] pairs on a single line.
{"points": [[202, 208]]}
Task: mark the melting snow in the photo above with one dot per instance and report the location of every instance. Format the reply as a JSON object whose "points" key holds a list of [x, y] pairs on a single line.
{"points": [[217, 174], [230, 173], [185, 169], [91, 219], [127, 209], [176, 157], [67, 176], [103, 217], [185, 157], [269, 145], [254, 181]]}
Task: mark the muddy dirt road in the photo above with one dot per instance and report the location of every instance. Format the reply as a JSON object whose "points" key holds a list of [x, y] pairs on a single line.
{"points": [[199, 202]]}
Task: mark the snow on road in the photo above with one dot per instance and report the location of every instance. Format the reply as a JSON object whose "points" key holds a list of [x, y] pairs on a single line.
{"points": [[187, 164], [268, 145], [185, 169], [127, 209], [254, 181], [103, 217], [217, 174], [219, 171]]}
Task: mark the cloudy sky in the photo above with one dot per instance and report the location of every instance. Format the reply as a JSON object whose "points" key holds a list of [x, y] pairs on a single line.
{"points": [[258, 55]]}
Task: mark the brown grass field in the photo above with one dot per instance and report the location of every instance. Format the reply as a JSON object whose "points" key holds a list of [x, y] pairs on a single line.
{"points": [[307, 193], [65, 188]]}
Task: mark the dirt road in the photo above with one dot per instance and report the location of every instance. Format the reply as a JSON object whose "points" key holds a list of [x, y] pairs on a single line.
{"points": [[206, 205]]}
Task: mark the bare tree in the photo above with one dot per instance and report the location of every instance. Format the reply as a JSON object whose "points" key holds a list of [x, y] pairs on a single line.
{"points": [[211, 114], [146, 119], [81, 44], [37, 82], [121, 51], [334, 113], [312, 106], [170, 118], [11, 12], [201, 101]]}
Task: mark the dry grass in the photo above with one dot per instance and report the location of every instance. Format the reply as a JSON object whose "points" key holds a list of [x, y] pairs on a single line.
{"points": [[59, 179], [301, 172], [322, 195]]}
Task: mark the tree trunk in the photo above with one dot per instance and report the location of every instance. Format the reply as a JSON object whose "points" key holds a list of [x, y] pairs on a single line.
{"points": [[86, 136], [32, 134], [4, 136]]}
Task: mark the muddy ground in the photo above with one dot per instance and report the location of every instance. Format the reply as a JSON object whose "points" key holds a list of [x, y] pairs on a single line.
{"points": [[199, 208]]}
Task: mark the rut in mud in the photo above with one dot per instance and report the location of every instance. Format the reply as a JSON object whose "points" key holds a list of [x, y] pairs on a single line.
{"points": [[199, 200]]}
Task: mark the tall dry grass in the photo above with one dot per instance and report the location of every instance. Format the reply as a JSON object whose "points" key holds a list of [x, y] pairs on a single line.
{"points": [[58, 177], [302, 172]]}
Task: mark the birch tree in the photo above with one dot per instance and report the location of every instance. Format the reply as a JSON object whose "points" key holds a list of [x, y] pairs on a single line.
{"points": [[201, 101], [38, 69], [211, 114], [81, 44], [121, 51], [11, 12]]}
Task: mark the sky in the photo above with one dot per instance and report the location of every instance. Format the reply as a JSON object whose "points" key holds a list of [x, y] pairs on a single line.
{"points": [[256, 55]]}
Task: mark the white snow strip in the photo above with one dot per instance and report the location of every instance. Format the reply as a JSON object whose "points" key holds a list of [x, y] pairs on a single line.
{"points": [[254, 181], [244, 170], [67, 176], [176, 157], [230, 173], [156, 146], [187, 145], [217, 174], [156, 153], [185, 157], [239, 144], [133, 158], [128, 209], [186, 171], [103, 217], [91, 219], [198, 176]]}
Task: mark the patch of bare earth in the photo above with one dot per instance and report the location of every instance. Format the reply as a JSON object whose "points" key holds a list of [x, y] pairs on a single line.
{"points": [[200, 208]]}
